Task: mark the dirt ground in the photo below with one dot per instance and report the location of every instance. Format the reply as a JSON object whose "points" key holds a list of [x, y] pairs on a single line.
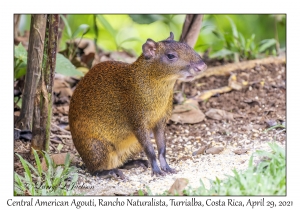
{"points": [[256, 107]]}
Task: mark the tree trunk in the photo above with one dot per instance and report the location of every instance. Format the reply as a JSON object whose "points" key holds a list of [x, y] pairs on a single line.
{"points": [[34, 65], [191, 29], [60, 30], [16, 25], [43, 97]]}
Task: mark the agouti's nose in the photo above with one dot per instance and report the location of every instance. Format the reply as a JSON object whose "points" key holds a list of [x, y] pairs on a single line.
{"points": [[200, 66]]}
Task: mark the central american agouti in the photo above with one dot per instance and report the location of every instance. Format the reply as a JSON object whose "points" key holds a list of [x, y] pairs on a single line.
{"points": [[116, 105]]}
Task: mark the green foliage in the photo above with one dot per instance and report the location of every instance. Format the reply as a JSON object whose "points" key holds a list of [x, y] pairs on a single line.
{"points": [[236, 47], [65, 67], [83, 29], [236, 37], [20, 61], [54, 181], [79, 32], [145, 19], [113, 33], [276, 126], [167, 19], [267, 178]]}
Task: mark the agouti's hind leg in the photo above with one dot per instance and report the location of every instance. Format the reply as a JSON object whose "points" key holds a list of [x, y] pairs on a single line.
{"points": [[135, 164], [100, 157]]}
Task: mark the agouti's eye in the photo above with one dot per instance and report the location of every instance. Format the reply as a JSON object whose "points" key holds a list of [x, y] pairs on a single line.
{"points": [[171, 56]]}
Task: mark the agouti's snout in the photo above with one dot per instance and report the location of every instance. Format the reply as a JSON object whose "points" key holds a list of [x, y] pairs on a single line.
{"points": [[199, 67], [192, 71]]}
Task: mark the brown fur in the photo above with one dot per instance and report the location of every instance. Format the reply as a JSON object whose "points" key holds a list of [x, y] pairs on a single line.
{"points": [[115, 100]]}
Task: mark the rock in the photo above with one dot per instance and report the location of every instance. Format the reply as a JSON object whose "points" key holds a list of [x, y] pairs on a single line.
{"points": [[240, 151], [188, 112], [58, 159], [218, 114], [200, 151], [178, 186], [214, 150]]}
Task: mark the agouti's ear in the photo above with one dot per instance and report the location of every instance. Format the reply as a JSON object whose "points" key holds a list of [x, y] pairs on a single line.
{"points": [[149, 49], [171, 36]]}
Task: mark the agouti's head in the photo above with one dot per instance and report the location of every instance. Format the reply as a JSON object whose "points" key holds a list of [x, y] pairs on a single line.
{"points": [[173, 60]]}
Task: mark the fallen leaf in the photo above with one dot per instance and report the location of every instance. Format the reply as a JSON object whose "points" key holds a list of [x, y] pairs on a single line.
{"points": [[233, 83], [200, 151], [88, 60], [240, 151], [62, 91], [63, 109], [214, 150], [207, 94], [58, 159], [218, 114], [188, 112], [178, 186]]}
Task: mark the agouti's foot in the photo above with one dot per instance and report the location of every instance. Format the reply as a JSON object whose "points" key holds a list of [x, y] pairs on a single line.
{"points": [[135, 164], [157, 172], [168, 169], [115, 173]]}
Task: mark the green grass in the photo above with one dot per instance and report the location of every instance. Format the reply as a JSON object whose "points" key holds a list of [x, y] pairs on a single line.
{"points": [[54, 181], [268, 177]]}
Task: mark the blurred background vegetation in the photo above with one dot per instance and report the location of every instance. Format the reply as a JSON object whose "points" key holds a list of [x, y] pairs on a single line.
{"points": [[222, 36]]}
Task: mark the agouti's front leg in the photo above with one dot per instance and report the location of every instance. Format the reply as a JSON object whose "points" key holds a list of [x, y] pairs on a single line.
{"points": [[159, 134], [144, 139]]}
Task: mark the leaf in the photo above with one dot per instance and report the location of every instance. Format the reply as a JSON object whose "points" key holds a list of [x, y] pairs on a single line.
{"points": [[107, 25], [69, 32], [59, 147], [233, 27], [21, 53], [265, 44], [65, 67], [26, 168], [146, 19], [73, 182], [57, 177], [21, 71], [84, 28], [249, 41], [130, 40], [218, 34], [19, 183], [67, 161], [38, 163], [242, 41], [221, 53]]}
